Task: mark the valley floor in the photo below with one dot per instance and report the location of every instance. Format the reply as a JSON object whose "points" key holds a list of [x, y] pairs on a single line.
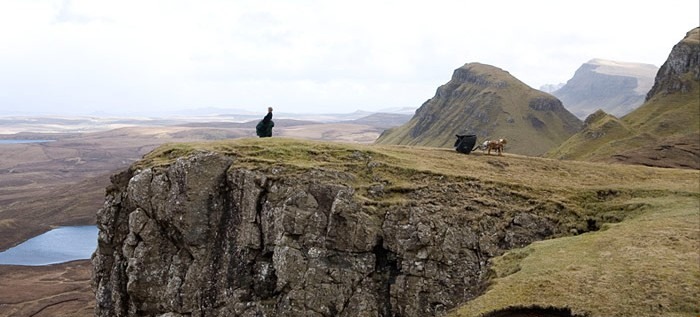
{"points": [[45, 291]]}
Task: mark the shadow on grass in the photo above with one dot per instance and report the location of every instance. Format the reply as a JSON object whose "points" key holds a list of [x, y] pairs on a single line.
{"points": [[533, 311]]}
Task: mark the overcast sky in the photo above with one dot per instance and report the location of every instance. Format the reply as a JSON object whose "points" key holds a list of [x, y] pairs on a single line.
{"points": [[305, 56]]}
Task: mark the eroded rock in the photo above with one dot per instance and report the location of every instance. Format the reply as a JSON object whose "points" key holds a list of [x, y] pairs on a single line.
{"points": [[203, 237]]}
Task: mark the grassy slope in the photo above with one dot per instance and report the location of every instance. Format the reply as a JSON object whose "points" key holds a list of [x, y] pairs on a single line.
{"points": [[597, 138], [668, 115], [645, 265], [661, 119]]}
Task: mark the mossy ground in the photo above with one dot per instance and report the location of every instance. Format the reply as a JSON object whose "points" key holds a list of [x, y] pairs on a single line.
{"points": [[639, 256], [643, 266]]}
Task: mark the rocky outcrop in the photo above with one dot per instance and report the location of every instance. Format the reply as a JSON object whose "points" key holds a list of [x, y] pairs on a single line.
{"points": [[207, 236], [683, 59], [614, 87]]}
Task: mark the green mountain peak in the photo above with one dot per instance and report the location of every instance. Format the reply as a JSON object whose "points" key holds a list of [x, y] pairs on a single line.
{"points": [[489, 102]]}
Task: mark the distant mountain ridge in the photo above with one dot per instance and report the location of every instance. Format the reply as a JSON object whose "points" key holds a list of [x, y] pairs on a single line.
{"points": [[615, 87], [550, 88], [664, 131], [489, 102], [383, 120]]}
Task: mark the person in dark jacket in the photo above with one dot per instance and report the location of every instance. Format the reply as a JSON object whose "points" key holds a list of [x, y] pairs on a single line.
{"points": [[264, 127]]}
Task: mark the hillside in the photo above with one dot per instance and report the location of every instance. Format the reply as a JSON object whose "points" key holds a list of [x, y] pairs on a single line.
{"points": [[281, 227], [595, 136], [614, 87], [489, 102], [664, 131]]}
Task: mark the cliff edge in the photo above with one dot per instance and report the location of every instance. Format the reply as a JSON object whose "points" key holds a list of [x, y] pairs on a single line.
{"points": [[298, 228]]}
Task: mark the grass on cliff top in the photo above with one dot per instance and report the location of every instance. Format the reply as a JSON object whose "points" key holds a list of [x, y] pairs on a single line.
{"points": [[532, 172], [645, 266]]}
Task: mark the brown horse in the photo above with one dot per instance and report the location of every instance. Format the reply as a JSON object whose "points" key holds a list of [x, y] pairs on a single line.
{"points": [[496, 146]]}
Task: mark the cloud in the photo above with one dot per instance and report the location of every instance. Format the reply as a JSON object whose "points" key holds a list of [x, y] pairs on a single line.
{"points": [[67, 15], [306, 55]]}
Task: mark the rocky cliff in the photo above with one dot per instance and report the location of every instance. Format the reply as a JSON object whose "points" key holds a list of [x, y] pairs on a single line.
{"points": [[681, 69], [489, 102], [614, 87], [292, 228]]}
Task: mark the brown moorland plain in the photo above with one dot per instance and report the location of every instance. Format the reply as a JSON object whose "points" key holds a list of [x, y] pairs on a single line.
{"points": [[44, 185], [54, 290]]}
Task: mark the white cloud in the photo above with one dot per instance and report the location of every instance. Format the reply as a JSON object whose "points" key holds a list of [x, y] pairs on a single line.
{"points": [[306, 55]]}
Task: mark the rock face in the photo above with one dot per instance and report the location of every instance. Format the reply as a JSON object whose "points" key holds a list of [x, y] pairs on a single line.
{"points": [[614, 87], [487, 101], [683, 59], [203, 236]]}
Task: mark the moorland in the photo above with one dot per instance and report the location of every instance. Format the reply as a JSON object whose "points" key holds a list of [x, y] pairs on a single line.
{"points": [[622, 239], [62, 183]]}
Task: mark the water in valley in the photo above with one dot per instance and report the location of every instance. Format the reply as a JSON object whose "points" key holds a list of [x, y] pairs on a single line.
{"points": [[59, 245], [23, 141]]}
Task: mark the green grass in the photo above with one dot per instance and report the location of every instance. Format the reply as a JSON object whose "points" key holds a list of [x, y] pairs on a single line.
{"points": [[594, 140], [663, 117], [644, 266], [669, 114], [399, 162]]}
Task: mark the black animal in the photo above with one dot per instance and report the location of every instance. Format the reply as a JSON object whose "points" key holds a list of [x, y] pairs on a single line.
{"points": [[465, 143]]}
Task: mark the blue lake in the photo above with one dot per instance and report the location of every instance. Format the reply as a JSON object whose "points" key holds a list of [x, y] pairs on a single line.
{"points": [[23, 141], [59, 245]]}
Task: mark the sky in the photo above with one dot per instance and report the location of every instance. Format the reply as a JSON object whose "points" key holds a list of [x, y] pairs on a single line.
{"points": [[133, 57]]}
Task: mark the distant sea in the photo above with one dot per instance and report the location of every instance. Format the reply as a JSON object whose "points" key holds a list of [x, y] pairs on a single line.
{"points": [[23, 141]]}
